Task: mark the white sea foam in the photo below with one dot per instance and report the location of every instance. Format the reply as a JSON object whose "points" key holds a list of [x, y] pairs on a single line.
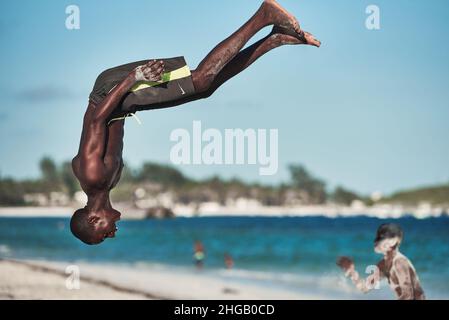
{"points": [[5, 250]]}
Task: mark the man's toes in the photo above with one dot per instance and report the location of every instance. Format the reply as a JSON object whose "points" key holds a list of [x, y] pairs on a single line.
{"points": [[311, 39]]}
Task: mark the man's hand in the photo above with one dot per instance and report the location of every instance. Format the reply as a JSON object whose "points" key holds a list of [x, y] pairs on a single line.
{"points": [[152, 71], [346, 264]]}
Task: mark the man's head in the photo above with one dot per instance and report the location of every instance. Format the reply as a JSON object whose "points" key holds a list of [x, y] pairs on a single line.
{"points": [[388, 237], [93, 227]]}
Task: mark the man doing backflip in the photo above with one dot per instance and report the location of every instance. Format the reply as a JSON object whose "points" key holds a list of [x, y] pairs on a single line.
{"points": [[153, 84]]}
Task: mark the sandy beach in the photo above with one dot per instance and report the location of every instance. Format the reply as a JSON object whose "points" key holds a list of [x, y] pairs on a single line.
{"points": [[28, 281], [39, 280]]}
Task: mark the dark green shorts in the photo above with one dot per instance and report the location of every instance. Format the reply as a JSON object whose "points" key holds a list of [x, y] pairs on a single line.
{"points": [[176, 84]]}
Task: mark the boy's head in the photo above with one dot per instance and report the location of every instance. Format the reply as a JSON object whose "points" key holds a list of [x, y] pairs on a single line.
{"points": [[388, 237], [94, 227]]}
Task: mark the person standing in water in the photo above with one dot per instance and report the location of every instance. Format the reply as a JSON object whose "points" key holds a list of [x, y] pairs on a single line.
{"points": [[198, 254], [229, 262], [394, 266]]}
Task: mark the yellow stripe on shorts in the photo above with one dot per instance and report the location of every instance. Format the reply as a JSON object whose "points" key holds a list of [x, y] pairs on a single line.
{"points": [[180, 73]]}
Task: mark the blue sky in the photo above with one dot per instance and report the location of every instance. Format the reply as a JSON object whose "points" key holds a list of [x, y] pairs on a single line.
{"points": [[368, 110]]}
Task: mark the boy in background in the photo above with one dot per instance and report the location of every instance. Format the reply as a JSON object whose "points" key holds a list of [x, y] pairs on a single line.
{"points": [[396, 267]]}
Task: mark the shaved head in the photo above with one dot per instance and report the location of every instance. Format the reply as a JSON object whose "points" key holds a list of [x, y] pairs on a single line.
{"points": [[93, 227], [81, 228]]}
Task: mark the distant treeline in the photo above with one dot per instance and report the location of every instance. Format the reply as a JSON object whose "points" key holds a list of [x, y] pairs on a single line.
{"points": [[302, 188], [436, 195]]}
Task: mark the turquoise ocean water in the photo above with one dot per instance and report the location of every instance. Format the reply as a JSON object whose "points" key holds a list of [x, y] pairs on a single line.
{"points": [[292, 253]]}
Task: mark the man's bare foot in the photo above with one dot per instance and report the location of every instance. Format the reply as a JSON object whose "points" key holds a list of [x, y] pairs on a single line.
{"points": [[288, 36], [279, 16]]}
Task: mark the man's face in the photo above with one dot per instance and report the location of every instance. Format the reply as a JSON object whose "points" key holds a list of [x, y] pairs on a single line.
{"points": [[383, 246], [104, 225]]}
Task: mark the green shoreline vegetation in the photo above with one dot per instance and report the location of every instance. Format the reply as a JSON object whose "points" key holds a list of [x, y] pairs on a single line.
{"points": [[303, 188]]}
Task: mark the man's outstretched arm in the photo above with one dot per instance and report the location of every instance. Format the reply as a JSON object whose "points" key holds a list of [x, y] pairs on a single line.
{"points": [[364, 285], [152, 71]]}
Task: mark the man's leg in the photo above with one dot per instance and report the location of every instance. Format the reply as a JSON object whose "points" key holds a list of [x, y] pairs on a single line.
{"points": [[206, 83], [269, 13], [278, 37]]}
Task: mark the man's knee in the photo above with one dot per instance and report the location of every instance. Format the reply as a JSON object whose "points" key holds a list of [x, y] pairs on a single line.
{"points": [[202, 81]]}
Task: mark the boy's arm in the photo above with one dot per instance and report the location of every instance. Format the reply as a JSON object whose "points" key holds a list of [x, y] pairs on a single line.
{"points": [[364, 285], [93, 138], [152, 71]]}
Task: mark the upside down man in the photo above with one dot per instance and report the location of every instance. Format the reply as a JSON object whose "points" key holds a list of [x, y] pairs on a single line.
{"points": [[155, 84]]}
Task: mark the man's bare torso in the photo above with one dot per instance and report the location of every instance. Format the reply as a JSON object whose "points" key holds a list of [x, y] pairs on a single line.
{"points": [[402, 277], [99, 172]]}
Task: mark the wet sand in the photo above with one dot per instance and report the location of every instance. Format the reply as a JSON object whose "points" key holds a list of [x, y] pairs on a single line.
{"points": [[47, 280], [25, 281]]}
